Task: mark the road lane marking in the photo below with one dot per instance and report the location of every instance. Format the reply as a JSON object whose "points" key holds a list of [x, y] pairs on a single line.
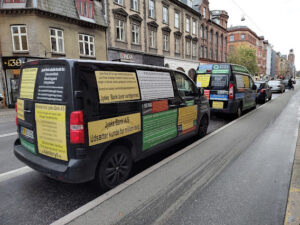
{"points": [[14, 173], [9, 134]]}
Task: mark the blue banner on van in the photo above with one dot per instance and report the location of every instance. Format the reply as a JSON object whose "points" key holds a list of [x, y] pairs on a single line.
{"points": [[239, 95], [204, 68], [219, 97]]}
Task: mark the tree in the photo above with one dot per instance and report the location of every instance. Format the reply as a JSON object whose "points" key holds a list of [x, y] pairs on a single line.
{"points": [[244, 56]]}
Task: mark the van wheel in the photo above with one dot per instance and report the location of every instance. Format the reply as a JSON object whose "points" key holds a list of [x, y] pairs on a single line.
{"points": [[203, 126], [114, 167], [238, 112]]}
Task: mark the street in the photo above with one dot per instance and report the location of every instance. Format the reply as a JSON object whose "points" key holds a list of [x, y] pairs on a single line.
{"points": [[28, 198]]}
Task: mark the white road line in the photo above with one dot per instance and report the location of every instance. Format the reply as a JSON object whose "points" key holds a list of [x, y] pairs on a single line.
{"points": [[9, 134], [14, 173]]}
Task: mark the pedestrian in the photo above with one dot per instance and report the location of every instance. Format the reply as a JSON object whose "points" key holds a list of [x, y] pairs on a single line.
{"points": [[290, 83]]}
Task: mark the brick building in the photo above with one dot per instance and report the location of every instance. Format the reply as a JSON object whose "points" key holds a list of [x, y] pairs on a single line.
{"points": [[173, 33], [38, 29], [242, 35]]}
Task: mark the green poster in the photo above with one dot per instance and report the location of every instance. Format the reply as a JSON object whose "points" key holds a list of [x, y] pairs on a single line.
{"points": [[28, 146], [159, 127]]}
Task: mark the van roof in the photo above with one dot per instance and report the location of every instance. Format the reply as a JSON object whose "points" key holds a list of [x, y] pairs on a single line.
{"points": [[72, 61]]}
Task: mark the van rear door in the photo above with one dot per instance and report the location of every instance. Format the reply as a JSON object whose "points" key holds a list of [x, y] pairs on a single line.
{"points": [[42, 108]]}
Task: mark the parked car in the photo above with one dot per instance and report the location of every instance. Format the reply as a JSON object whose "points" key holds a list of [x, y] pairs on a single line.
{"points": [[286, 83], [229, 88], [264, 92], [83, 120], [277, 86]]}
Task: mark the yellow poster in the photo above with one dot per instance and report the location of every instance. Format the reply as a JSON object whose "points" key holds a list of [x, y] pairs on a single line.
{"points": [[20, 108], [28, 83], [51, 130], [187, 116], [246, 81], [109, 129], [117, 86], [203, 80]]}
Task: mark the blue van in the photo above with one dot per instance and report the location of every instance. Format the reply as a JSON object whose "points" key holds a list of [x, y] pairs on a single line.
{"points": [[229, 88]]}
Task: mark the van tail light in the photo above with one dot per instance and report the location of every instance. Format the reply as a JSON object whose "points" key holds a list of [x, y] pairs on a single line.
{"points": [[16, 108], [262, 90], [76, 127], [278, 86], [231, 91]]}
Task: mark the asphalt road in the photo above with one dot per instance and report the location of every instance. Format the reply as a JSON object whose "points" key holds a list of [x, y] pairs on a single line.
{"points": [[34, 199]]}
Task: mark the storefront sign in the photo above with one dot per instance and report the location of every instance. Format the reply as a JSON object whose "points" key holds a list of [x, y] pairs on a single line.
{"points": [[126, 57], [13, 62]]}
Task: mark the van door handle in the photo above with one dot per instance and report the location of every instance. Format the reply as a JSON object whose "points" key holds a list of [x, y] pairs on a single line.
{"points": [[27, 110]]}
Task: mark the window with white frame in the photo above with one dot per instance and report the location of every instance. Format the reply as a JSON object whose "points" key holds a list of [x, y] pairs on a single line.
{"points": [[176, 19], [188, 48], [165, 42], [201, 31], [165, 14], [177, 45], [85, 8], [120, 2], [57, 40], [201, 52], [232, 38], [205, 52], [187, 24], [204, 12], [152, 39], [151, 9], [19, 38], [120, 30], [194, 49], [194, 31], [134, 5], [135, 34], [86, 45]]}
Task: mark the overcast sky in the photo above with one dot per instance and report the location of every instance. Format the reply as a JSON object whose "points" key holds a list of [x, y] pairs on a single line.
{"points": [[277, 20]]}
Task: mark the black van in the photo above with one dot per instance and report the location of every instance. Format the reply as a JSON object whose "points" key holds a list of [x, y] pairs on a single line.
{"points": [[229, 88], [81, 120]]}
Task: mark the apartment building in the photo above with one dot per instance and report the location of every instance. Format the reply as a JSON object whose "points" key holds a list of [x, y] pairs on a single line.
{"points": [[39, 29], [171, 33]]}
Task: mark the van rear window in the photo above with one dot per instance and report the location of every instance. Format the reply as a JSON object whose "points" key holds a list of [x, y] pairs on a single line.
{"points": [[219, 81], [50, 83]]}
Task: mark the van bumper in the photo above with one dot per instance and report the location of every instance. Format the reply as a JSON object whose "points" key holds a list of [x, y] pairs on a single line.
{"points": [[229, 109], [73, 171]]}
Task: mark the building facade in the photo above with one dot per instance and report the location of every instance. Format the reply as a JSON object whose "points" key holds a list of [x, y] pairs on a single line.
{"points": [[242, 35], [39, 29], [169, 33]]}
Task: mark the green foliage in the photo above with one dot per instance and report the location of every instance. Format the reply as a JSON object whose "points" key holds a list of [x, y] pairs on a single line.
{"points": [[244, 56]]}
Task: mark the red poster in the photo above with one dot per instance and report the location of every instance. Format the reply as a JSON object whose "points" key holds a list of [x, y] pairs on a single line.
{"points": [[159, 106]]}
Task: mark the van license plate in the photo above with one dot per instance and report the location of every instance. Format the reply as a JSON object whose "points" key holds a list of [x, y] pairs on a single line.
{"points": [[217, 105], [26, 132]]}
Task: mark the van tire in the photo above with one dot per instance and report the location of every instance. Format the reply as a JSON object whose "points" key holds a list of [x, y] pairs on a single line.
{"points": [[203, 126], [114, 167], [238, 112]]}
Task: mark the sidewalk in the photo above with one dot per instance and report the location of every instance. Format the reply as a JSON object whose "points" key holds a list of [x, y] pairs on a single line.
{"points": [[7, 112]]}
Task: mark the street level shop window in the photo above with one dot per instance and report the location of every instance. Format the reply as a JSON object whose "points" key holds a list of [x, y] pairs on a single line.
{"points": [[85, 8], [57, 41], [19, 38], [135, 34], [87, 45]]}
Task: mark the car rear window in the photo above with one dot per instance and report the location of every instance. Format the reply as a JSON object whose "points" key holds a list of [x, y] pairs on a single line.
{"points": [[219, 81], [274, 82]]}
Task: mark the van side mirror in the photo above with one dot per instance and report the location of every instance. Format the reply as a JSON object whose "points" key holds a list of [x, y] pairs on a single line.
{"points": [[254, 87]]}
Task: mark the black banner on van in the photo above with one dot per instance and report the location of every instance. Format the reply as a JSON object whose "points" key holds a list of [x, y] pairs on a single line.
{"points": [[50, 83]]}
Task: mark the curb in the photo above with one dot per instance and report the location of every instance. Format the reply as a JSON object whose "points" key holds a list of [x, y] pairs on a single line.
{"points": [[292, 215]]}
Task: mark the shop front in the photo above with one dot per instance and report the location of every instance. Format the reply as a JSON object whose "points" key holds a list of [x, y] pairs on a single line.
{"points": [[135, 57], [11, 77]]}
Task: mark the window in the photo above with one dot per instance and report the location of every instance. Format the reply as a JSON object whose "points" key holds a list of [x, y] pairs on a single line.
{"points": [[243, 36], [120, 30], [201, 31], [194, 27], [19, 37], [194, 50], [211, 36], [205, 52], [201, 52], [211, 54], [134, 5], [177, 45], [205, 33], [120, 2], [165, 42], [176, 22], [152, 39], [165, 14], [204, 12], [184, 85], [85, 8], [231, 48], [188, 48], [232, 38], [86, 45], [187, 24], [57, 40], [135, 34], [151, 9]]}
